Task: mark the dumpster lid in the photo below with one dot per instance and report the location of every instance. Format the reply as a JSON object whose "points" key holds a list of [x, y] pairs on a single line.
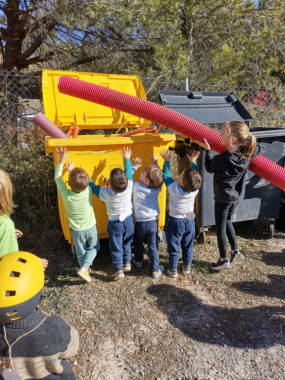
{"points": [[66, 111], [206, 107]]}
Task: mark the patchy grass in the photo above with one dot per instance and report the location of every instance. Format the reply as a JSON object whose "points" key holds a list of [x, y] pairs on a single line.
{"points": [[226, 325]]}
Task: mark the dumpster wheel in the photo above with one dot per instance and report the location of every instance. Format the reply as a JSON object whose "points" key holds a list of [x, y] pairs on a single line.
{"points": [[161, 237], [271, 225], [201, 238]]}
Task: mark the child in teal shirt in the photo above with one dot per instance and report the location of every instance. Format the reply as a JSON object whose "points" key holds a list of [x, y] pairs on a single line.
{"points": [[118, 200]]}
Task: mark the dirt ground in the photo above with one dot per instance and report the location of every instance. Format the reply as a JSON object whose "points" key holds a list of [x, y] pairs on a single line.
{"points": [[226, 325]]}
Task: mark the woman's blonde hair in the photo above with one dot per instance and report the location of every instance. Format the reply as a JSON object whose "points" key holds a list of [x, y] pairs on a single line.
{"points": [[245, 139], [6, 192]]}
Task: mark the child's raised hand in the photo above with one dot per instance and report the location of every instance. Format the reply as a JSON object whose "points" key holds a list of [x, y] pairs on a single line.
{"points": [[45, 263], [18, 233], [126, 153], [137, 162], [62, 154], [165, 154], [83, 169], [204, 144], [154, 159], [194, 156], [70, 165]]}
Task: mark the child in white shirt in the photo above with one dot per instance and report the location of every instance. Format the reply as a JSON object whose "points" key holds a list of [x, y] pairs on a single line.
{"points": [[180, 229], [146, 211]]}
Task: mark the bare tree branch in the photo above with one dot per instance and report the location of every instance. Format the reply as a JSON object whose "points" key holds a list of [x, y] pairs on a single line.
{"points": [[37, 43], [47, 56]]}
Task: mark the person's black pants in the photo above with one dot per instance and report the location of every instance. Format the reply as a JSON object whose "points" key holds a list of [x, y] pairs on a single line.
{"points": [[224, 227]]}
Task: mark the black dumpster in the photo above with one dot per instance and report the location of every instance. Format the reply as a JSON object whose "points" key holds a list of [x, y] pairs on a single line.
{"points": [[262, 199], [206, 107]]}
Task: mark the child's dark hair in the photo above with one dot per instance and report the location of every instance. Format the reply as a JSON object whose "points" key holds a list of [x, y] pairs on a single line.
{"points": [[78, 180], [154, 175], [118, 180], [191, 180]]}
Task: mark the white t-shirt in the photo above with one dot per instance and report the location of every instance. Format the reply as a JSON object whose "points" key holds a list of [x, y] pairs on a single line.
{"points": [[180, 202], [145, 201], [117, 203]]}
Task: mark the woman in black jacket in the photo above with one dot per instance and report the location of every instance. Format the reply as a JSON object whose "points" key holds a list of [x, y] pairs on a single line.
{"points": [[229, 170]]}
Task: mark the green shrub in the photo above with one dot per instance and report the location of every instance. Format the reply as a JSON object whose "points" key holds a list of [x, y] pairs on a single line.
{"points": [[34, 187]]}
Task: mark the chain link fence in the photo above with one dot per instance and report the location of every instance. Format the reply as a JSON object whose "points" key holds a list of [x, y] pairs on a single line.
{"points": [[21, 100]]}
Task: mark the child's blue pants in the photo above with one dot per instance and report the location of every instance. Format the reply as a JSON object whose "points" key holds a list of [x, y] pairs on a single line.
{"points": [[147, 231], [180, 232], [86, 245], [120, 238]]}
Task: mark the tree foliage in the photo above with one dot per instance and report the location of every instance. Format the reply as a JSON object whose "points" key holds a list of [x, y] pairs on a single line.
{"points": [[225, 40], [234, 40], [72, 33]]}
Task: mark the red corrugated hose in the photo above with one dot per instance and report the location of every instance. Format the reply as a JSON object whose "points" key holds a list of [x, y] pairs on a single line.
{"points": [[164, 116]]}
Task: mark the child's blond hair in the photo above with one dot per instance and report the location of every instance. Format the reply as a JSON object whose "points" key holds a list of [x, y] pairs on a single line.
{"points": [[154, 175], [6, 193], [245, 139]]}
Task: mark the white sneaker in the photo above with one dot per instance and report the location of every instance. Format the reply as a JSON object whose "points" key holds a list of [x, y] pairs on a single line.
{"points": [[127, 267], [220, 265], [172, 273], [236, 257], [186, 270], [119, 275]]}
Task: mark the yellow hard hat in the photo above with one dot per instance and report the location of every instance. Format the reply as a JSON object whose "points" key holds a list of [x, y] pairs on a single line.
{"points": [[21, 284]]}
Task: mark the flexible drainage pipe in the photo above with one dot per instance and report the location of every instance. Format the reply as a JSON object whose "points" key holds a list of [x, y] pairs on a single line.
{"points": [[51, 129], [259, 165]]}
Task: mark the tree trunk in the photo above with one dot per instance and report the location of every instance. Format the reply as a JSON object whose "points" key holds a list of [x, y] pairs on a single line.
{"points": [[12, 51]]}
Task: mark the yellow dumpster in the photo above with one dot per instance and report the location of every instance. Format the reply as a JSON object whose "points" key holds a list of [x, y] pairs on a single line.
{"points": [[99, 154]]}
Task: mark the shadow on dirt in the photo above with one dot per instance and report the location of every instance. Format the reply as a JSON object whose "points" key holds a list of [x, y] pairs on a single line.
{"points": [[258, 327]]}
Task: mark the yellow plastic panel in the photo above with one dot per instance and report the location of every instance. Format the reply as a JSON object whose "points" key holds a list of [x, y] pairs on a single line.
{"points": [[100, 154], [65, 111]]}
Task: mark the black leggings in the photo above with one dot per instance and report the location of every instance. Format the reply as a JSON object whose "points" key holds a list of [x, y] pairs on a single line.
{"points": [[224, 227]]}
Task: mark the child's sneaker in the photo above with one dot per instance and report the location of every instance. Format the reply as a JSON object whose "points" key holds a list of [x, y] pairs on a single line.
{"points": [[220, 265], [127, 267], [84, 273], [186, 270], [172, 273], [138, 264], [119, 275], [236, 257], [158, 273]]}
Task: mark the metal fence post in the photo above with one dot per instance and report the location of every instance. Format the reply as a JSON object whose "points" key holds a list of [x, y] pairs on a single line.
{"points": [[186, 88]]}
